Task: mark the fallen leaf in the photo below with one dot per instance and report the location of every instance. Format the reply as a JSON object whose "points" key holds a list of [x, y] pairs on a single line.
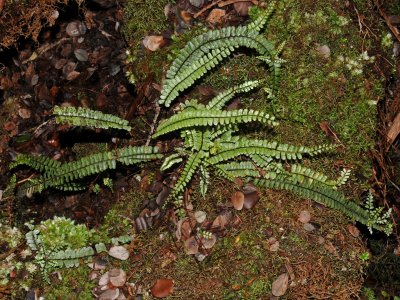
{"points": [[200, 216], [237, 200], [280, 285], [117, 277], [208, 243], [215, 16], [119, 252], [251, 196], [353, 230], [9, 126], [242, 8], [304, 216], [191, 246], [329, 132], [153, 42], [81, 54], [222, 220], [309, 227], [273, 244], [162, 288], [24, 113], [73, 75]]}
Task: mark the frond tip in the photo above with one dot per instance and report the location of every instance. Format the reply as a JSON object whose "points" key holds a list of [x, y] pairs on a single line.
{"points": [[86, 117]]}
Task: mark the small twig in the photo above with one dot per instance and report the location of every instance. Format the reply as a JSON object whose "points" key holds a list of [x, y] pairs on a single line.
{"points": [[153, 125], [44, 49], [392, 28], [205, 8]]}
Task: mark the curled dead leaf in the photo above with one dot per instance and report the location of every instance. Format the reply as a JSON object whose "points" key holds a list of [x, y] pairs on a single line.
{"points": [[191, 246], [153, 42], [353, 230], [162, 288], [216, 15]]}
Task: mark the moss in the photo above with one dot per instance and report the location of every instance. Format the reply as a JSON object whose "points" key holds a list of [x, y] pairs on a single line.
{"points": [[73, 285]]}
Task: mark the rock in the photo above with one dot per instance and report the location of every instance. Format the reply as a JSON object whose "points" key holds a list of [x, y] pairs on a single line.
{"points": [[117, 277], [280, 285], [304, 216], [119, 252]]}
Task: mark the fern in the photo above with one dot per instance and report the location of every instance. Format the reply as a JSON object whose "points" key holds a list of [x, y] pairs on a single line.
{"points": [[208, 117], [86, 117], [322, 194], [274, 150], [64, 176], [207, 50]]}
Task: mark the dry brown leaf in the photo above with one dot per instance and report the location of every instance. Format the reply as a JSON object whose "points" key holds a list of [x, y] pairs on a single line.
{"points": [[242, 8], [329, 132], [215, 16], [24, 113], [237, 200], [394, 129], [153, 42], [117, 277], [162, 288], [280, 285], [251, 196], [353, 230], [304, 216], [222, 220]]}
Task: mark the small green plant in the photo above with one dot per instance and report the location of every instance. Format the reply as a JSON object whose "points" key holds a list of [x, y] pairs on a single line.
{"points": [[210, 140], [60, 243], [365, 256]]}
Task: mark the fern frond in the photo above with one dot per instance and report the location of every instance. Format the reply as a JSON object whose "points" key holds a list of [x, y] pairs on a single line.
{"points": [[37, 162], [86, 117], [63, 176], [69, 258], [238, 169], [321, 194], [302, 174], [222, 98], [191, 118], [344, 176], [170, 161], [266, 148], [190, 168], [263, 19]]}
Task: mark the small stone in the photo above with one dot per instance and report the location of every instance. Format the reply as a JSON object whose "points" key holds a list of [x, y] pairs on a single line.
{"points": [[309, 227], [119, 252], [304, 216]]}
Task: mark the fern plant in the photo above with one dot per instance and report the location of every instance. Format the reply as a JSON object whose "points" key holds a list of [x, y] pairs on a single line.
{"points": [[67, 176], [210, 140]]}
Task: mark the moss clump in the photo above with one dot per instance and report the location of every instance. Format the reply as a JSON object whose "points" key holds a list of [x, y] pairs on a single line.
{"points": [[63, 233]]}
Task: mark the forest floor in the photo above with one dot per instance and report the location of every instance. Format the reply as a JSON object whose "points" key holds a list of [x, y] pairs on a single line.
{"points": [[340, 84]]}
